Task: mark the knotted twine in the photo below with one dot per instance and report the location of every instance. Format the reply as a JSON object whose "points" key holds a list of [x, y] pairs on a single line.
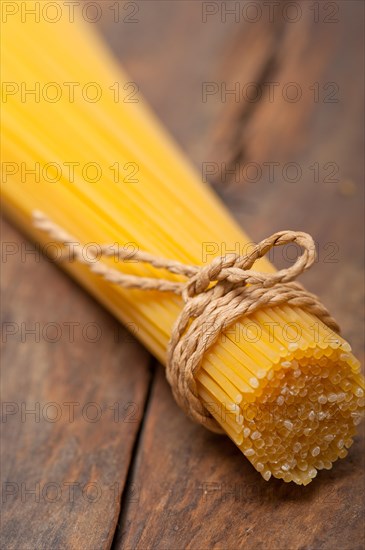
{"points": [[215, 296]]}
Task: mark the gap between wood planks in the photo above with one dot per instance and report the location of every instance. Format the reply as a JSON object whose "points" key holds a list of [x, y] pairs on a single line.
{"points": [[128, 488]]}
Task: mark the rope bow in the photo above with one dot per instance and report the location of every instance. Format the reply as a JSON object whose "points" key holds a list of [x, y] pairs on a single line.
{"points": [[215, 297]]}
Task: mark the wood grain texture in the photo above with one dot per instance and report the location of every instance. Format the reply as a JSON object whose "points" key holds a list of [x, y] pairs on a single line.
{"points": [[187, 488], [322, 140], [65, 464]]}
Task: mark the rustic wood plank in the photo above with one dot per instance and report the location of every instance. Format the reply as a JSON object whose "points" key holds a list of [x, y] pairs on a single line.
{"points": [[63, 466], [195, 489], [171, 52], [322, 140]]}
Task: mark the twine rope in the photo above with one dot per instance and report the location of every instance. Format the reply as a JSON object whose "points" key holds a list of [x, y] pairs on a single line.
{"points": [[215, 296]]}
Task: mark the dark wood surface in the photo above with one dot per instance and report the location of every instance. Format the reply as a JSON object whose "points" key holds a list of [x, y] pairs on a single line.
{"points": [[159, 480]]}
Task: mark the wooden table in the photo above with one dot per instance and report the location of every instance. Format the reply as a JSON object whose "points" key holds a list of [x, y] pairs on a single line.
{"points": [[106, 459]]}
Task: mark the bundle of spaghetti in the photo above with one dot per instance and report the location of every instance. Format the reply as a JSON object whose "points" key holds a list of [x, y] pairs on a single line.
{"points": [[284, 387]]}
